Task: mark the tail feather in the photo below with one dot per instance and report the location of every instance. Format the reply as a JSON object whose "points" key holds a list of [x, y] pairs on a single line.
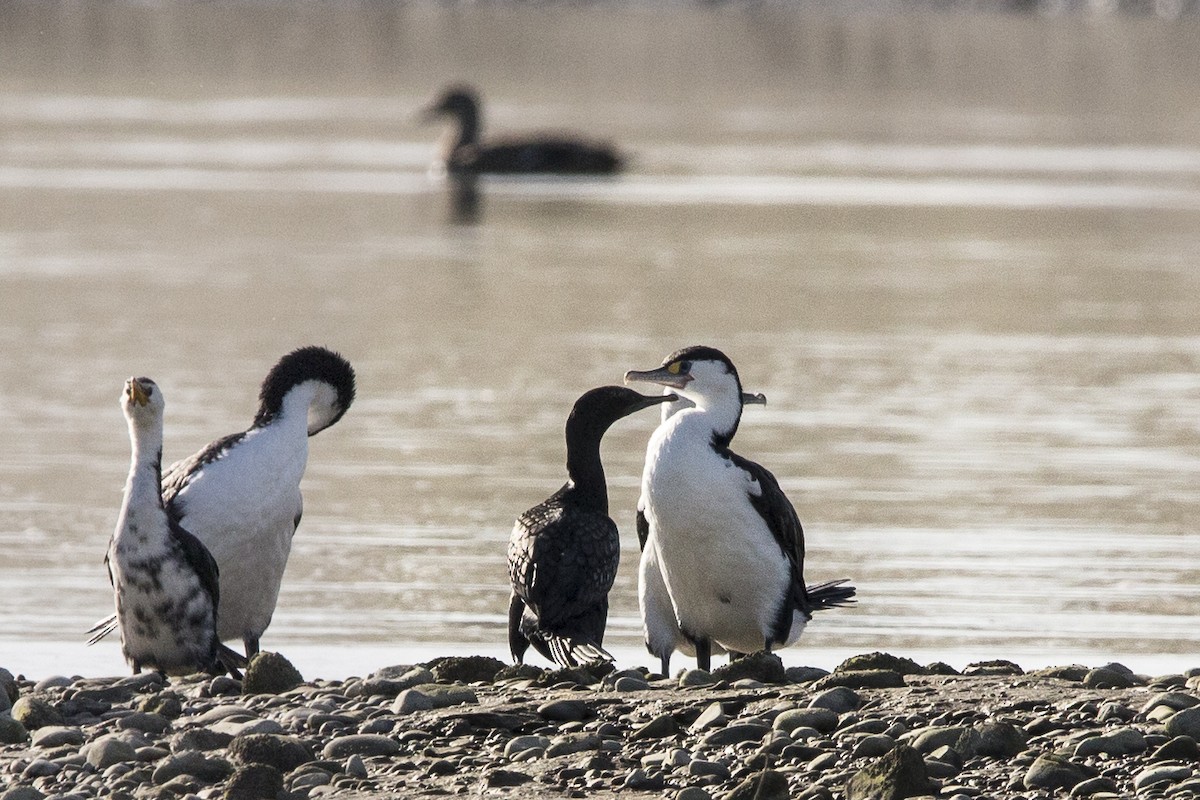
{"points": [[831, 594], [102, 628], [575, 653]]}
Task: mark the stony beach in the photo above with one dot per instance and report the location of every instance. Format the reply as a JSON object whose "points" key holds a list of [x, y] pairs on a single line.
{"points": [[878, 726]]}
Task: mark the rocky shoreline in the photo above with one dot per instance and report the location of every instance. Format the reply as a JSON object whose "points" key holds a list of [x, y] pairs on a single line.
{"points": [[878, 726]]}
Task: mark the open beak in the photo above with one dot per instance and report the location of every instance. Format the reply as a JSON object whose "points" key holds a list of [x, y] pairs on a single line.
{"points": [[661, 376], [754, 399], [136, 392]]}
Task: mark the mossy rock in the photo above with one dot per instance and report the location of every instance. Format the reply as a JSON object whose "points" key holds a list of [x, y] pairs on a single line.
{"points": [[270, 673]]}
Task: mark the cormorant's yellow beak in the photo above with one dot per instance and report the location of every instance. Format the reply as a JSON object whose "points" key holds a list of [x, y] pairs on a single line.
{"points": [[137, 393]]}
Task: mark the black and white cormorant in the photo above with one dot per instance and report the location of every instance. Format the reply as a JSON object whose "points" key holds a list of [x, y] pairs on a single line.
{"points": [[660, 628], [563, 553], [240, 495], [465, 152], [729, 546], [164, 580]]}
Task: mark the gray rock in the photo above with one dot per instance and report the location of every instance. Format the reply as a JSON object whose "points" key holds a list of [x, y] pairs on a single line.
{"points": [[1117, 743], [199, 739], [1000, 740], [444, 696], [1181, 748], [40, 768], [1098, 785], [862, 679], [696, 677], [270, 673], [639, 780], [711, 717], [1052, 771], [693, 793], [565, 711], [521, 744], [880, 661], [191, 763], [838, 700], [873, 746], [765, 785], [572, 743], [284, 753], [12, 731], [1102, 678], [660, 727], [804, 674], [1177, 701], [363, 744], [108, 750], [631, 683], [762, 666], [254, 782], [234, 728], [145, 722], [468, 669], [391, 681], [410, 701], [57, 735], [1181, 723], [734, 734], [504, 778], [700, 768], [930, 739], [820, 719], [899, 774], [165, 704], [995, 667], [9, 687], [34, 713], [21, 793], [1155, 776]]}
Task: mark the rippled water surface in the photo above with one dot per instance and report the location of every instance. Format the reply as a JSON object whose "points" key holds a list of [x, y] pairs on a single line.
{"points": [[958, 252]]}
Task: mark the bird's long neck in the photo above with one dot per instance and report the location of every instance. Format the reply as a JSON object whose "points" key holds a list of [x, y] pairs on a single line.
{"points": [[145, 467], [584, 469]]}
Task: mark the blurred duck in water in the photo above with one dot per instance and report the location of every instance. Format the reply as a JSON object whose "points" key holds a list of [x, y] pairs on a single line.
{"points": [[465, 153]]}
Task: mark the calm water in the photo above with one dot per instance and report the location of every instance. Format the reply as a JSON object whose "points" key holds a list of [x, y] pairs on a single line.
{"points": [[959, 253]]}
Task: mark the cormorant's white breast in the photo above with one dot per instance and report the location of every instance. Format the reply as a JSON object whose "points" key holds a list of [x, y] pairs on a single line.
{"points": [[728, 543], [563, 553]]}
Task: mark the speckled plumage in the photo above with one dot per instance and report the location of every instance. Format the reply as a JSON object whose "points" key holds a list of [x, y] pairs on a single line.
{"points": [[165, 582], [564, 552]]}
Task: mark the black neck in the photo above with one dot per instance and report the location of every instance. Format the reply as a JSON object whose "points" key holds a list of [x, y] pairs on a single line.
{"points": [[584, 469]]}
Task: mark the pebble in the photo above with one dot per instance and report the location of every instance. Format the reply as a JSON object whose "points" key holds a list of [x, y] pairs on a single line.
{"points": [[361, 744]]}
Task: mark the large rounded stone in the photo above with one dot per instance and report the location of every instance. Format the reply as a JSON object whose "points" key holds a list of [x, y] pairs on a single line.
{"points": [[362, 744], [1182, 723], [765, 785], [270, 673], [838, 700], [254, 782], [878, 661], [763, 667], [468, 669], [1051, 771], [284, 753], [898, 774], [34, 713]]}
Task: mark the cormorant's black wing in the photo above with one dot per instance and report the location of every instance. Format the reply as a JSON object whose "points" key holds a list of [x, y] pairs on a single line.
{"points": [[643, 527], [779, 514], [198, 557], [563, 564]]}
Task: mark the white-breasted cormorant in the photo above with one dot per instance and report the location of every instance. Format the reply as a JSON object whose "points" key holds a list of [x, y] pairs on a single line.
{"points": [[465, 152], [164, 580], [729, 545], [563, 553], [660, 628]]}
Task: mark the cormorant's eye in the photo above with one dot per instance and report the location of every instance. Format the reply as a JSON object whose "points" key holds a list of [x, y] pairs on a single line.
{"points": [[685, 366]]}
